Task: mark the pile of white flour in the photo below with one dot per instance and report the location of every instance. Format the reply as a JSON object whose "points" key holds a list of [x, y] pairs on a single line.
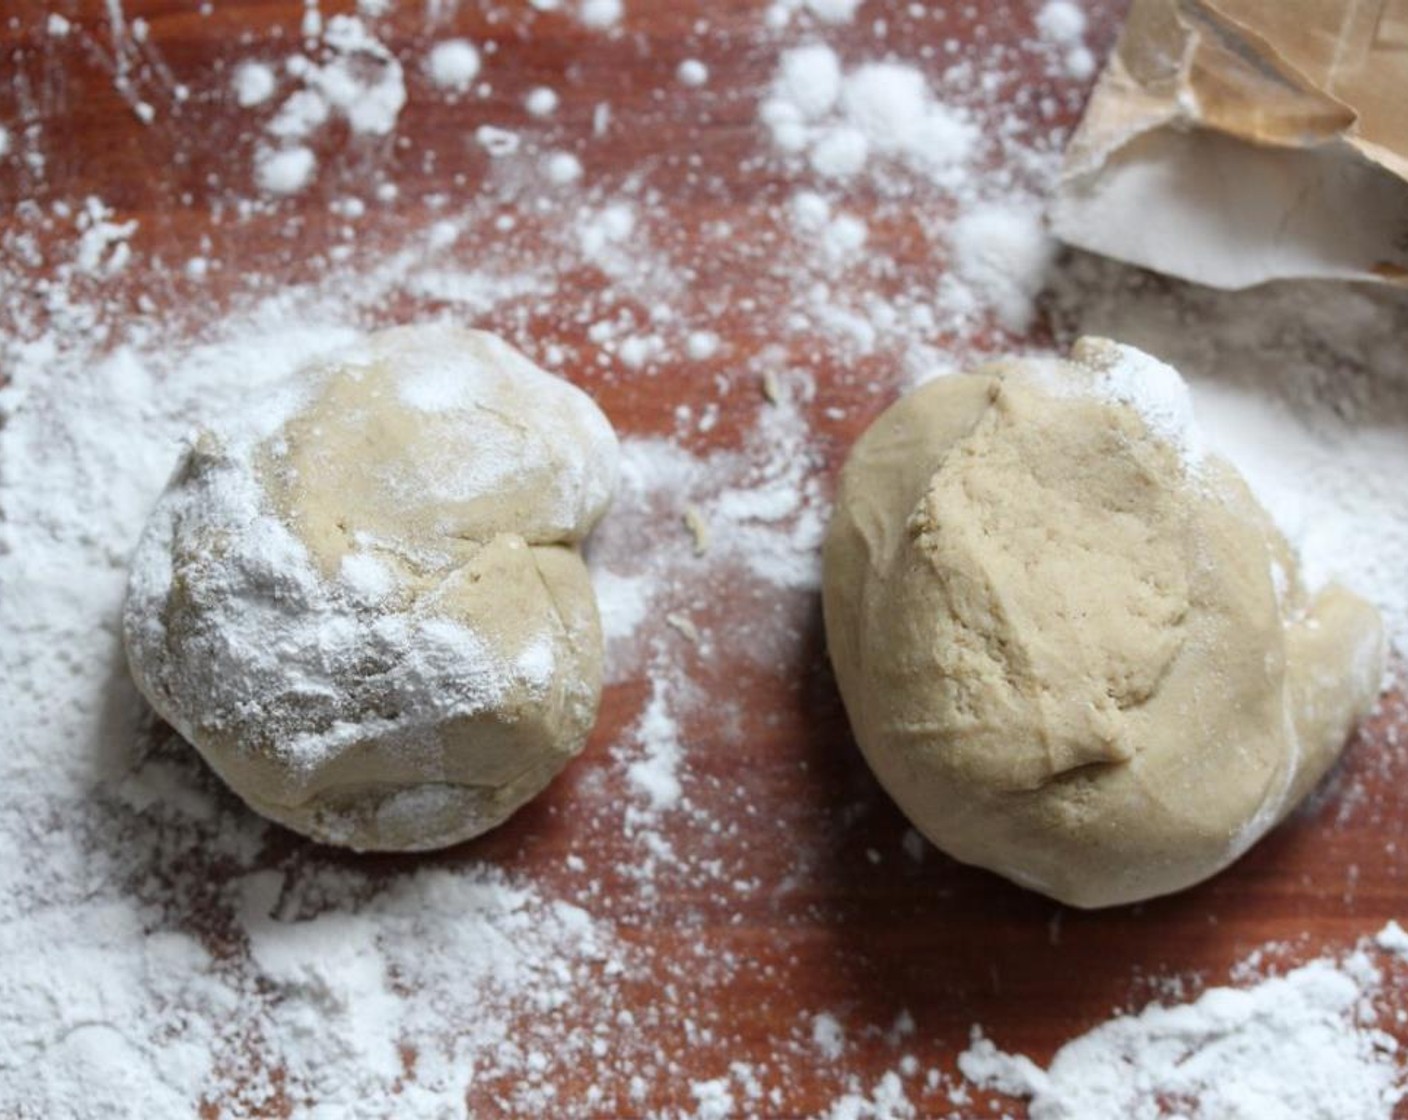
{"points": [[165, 950]]}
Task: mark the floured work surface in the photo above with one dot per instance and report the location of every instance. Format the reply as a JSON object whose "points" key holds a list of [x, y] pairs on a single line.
{"points": [[745, 239]]}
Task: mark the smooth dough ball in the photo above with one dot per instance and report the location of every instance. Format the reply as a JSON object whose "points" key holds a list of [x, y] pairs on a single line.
{"points": [[363, 601], [1071, 644]]}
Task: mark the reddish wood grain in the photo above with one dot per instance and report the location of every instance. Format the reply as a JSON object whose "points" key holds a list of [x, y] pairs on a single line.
{"points": [[827, 925]]}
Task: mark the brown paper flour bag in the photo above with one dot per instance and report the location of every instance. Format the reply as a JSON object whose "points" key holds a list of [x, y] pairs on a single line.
{"points": [[1236, 141]]}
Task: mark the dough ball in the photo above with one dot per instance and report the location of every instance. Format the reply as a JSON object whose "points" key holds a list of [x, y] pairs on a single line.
{"points": [[1071, 644], [363, 600]]}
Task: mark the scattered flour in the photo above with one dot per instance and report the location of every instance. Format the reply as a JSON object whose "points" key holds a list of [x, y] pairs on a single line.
{"points": [[284, 170], [497, 141], [541, 102], [1002, 252], [453, 64], [347, 73], [885, 111], [1062, 23], [700, 346], [360, 79], [655, 775], [601, 14], [828, 1036], [254, 84], [103, 248], [1299, 1045], [886, 1101], [693, 73], [563, 168], [715, 1100], [833, 11], [1393, 938], [826, 11], [624, 602]]}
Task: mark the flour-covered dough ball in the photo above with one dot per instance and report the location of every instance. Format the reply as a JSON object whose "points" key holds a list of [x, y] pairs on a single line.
{"points": [[362, 598], [1071, 644]]}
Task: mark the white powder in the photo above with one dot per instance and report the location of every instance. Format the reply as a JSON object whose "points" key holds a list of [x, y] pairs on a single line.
{"points": [[809, 80], [840, 153], [827, 11], [1002, 252], [363, 80], [810, 212], [692, 73], [656, 775], [1061, 21], [301, 114], [601, 14], [471, 388], [1061, 24], [714, 1099], [366, 579], [353, 76], [335, 979], [844, 236], [1080, 63], [637, 351], [541, 102], [624, 602], [1393, 938], [563, 168], [892, 105], [880, 111], [103, 250], [254, 83], [453, 64], [497, 141], [1297, 1045], [602, 236], [284, 170], [828, 1036], [774, 519], [833, 11], [700, 346], [1338, 499], [72, 1045], [886, 1101], [1153, 389]]}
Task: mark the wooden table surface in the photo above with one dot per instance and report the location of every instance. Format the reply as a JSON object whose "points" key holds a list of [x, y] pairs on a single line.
{"points": [[837, 915]]}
